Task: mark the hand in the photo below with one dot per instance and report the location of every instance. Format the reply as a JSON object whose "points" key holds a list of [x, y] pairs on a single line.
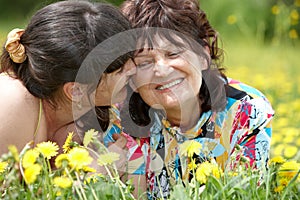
{"points": [[119, 147]]}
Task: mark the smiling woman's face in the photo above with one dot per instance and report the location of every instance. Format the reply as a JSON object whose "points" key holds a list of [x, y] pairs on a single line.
{"points": [[167, 75]]}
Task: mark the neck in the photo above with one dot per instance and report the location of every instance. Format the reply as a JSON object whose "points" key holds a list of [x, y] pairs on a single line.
{"points": [[185, 116], [57, 118]]}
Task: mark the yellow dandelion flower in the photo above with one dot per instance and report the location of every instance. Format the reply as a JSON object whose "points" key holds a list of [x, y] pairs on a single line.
{"points": [[284, 181], [3, 166], [207, 167], [61, 160], [189, 148], [93, 178], [14, 151], [200, 176], [231, 19], [194, 148], [108, 158], [278, 149], [287, 139], [275, 10], [79, 157], [88, 169], [282, 122], [48, 149], [277, 160], [58, 193], [217, 172], [62, 182], [67, 145], [192, 165], [90, 179], [290, 151], [203, 171], [289, 169], [89, 136], [293, 34], [30, 157], [279, 189], [31, 173], [294, 14]]}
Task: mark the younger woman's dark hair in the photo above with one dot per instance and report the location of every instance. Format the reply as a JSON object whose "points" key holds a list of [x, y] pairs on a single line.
{"points": [[57, 40], [184, 17]]}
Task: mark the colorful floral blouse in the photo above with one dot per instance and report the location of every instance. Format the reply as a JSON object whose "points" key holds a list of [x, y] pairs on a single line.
{"points": [[244, 122]]}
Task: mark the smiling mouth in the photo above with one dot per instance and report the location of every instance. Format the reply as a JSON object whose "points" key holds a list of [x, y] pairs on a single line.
{"points": [[169, 85]]}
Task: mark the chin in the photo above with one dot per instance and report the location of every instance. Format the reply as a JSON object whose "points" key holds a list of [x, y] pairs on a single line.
{"points": [[166, 105], [172, 103]]}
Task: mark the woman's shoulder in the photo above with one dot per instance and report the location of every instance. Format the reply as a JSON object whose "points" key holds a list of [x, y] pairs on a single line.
{"points": [[247, 103], [12, 87], [19, 113], [237, 89], [238, 92], [14, 94]]}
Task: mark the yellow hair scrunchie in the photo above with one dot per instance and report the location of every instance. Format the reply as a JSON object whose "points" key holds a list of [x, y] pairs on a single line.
{"points": [[13, 46]]}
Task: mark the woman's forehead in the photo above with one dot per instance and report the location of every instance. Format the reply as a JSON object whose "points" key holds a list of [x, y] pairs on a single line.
{"points": [[159, 42]]}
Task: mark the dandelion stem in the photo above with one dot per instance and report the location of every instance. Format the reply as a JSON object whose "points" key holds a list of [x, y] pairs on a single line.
{"points": [[80, 186], [94, 194], [70, 176]]}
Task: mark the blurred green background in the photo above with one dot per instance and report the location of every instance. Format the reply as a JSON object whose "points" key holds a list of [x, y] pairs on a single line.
{"points": [[262, 47]]}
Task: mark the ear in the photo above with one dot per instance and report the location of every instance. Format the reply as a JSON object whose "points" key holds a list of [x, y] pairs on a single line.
{"points": [[207, 49], [73, 91]]}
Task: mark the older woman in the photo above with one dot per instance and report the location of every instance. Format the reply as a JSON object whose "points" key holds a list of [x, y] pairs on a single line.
{"points": [[182, 95]]}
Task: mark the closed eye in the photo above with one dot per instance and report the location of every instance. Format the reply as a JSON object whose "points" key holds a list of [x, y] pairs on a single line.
{"points": [[144, 64], [173, 54]]}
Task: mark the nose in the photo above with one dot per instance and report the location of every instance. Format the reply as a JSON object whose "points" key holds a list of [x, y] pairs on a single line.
{"points": [[162, 68]]}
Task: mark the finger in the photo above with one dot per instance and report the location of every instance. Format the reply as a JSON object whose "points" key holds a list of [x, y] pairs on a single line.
{"points": [[116, 136], [121, 142]]}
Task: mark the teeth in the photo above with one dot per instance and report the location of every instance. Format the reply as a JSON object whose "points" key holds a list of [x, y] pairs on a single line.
{"points": [[170, 84]]}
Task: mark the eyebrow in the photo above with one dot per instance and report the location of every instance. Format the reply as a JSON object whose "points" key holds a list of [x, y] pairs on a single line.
{"points": [[167, 47], [141, 55]]}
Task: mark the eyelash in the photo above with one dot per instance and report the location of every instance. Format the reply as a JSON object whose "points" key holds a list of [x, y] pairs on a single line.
{"points": [[168, 55], [174, 55], [144, 64]]}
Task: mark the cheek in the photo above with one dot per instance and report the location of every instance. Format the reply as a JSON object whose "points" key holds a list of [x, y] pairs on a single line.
{"points": [[196, 82], [140, 82], [147, 95], [115, 83], [102, 86], [100, 93]]}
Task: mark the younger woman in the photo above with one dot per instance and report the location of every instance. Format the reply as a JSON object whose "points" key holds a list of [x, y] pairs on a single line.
{"points": [[39, 66]]}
